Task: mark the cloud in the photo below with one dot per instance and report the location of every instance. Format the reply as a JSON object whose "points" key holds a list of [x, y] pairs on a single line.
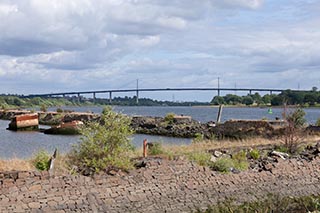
{"points": [[106, 43], [250, 4]]}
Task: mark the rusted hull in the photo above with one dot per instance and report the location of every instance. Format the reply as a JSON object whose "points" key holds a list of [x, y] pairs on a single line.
{"points": [[69, 128], [24, 122]]}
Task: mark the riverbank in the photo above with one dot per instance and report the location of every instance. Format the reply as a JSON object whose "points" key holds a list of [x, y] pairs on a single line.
{"points": [[177, 179], [160, 186]]}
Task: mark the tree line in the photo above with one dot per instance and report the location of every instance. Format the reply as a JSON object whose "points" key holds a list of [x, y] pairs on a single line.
{"points": [[289, 97]]}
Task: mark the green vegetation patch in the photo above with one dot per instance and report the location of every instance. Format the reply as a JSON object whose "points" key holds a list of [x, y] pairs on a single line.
{"points": [[273, 203], [103, 145]]}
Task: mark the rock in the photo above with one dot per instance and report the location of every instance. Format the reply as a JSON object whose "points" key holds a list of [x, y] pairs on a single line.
{"points": [[213, 158], [268, 167], [280, 154], [217, 153]]}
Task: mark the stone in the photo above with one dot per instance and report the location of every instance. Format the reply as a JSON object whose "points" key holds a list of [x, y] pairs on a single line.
{"points": [[37, 187], [217, 153], [34, 205], [280, 154], [213, 158]]}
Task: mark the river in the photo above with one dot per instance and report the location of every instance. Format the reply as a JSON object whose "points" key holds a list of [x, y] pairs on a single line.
{"points": [[26, 144]]}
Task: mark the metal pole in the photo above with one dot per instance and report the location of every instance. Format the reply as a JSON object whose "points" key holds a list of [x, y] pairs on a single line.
{"points": [[218, 86], [137, 93], [110, 97], [79, 98]]}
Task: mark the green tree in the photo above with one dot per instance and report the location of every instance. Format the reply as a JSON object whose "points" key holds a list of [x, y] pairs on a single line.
{"points": [[217, 100], [232, 99], [314, 89], [267, 99], [104, 145], [247, 100], [277, 100], [257, 98], [311, 98]]}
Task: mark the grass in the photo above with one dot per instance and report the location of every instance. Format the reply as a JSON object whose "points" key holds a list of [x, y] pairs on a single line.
{"points": [[272, 203], [197, 152], [16, 164]]}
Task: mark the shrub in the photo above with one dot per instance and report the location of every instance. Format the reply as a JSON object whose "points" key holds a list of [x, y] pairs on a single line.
{"points": [[43, 108], [223, 164], [103, 146], [318, 122], [59, 110], [292, 132], [254, 154], [169, 117], [296, 118], [155, 149], [41, 160]]}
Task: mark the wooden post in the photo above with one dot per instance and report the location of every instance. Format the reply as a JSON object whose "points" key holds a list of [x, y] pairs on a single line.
{"points": [[145, 144], [219, 113], [51, 162]]}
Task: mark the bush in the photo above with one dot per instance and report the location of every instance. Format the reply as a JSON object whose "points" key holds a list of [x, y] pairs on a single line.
{"points": [[103, 146], [292, 132], [169, 118], [296, 118], [41, 160], [43, 108], [59, 110], [223, 164], [318, 122]]}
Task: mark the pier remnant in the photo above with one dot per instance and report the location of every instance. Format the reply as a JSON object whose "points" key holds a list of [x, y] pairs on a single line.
{"points": [[24, 122], [219, 113]]}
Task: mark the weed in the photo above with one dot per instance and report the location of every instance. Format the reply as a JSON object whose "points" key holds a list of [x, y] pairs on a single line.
{"points": [[155, 148], [273, 203], [41, 160], [201, 158], [198, 137], [240, 160], [254, 154]]}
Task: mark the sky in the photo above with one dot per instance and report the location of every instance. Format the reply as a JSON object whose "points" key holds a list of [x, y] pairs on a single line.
{"points": [[49, 46]]}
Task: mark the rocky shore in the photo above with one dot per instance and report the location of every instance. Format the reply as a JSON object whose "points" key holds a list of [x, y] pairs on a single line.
{"points": [[178, 126], [159, 186]]}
